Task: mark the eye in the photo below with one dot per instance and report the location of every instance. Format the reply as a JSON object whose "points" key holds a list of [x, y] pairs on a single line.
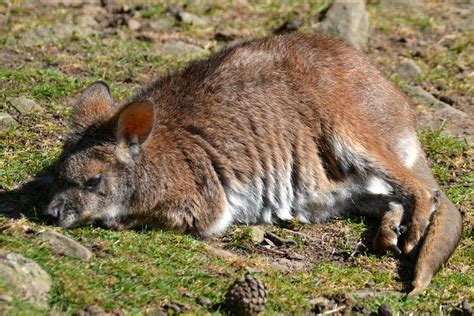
{"points": [[93, 182]]}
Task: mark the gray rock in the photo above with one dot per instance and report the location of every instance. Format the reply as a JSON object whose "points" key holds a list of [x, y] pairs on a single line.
{"points": [[25, 278], [87, 21], [423, 96], [408, 69], [221, 253], [6, 298], [161, 25], [347, 20], [179, 48], [6, 121], [134, 24], [65, 245], [45, 34], [257, 234], [24, 105], [189, 18]]}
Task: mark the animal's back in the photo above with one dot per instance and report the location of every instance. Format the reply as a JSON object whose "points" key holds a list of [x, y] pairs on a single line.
{"points": [[269, 115]]}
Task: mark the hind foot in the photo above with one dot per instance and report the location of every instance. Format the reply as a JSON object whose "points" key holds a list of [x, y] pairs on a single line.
{"points": [[387, 238]]}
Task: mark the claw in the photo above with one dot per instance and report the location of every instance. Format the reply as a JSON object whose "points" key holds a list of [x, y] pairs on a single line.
{"points": [[395, 249]]}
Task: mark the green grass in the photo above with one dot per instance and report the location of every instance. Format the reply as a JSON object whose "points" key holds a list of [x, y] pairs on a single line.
{"points": [[137, 271]]}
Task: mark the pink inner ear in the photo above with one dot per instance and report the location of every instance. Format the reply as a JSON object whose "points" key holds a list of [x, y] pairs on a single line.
{"points": [[136, 121]]}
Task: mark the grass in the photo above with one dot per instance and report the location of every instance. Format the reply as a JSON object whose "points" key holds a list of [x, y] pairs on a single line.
{"points": [[137, 271]]}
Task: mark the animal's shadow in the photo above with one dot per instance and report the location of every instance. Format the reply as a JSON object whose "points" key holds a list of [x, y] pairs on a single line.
{"points": [[31, 198]]}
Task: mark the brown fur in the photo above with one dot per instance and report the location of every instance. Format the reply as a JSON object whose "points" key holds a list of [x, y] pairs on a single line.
{"points": [[286, 126]]}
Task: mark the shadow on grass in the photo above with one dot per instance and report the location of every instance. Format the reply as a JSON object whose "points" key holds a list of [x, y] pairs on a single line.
{"points": [[29, 199]]}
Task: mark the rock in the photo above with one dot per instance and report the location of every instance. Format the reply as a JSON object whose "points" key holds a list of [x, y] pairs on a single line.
{"points": [[384, 310], [6, 298], [418, 93], [179, 48], [133, 24], [203, 301], [46, 34], [65, 245], [176, 307], [24, 105], [221, 253], [25, 278], [368, 293], [347, 20], [189, 18], [408, 69], [6, 121], [257, 234], [161, 25]]}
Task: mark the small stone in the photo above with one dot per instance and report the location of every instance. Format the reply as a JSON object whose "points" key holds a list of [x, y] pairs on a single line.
{"points": [[221, 253], [204, 301], [189, 18], [257, 234], [6, 121], [347, 20], [176, 307], [385, 310], [408, 69], [65, 245], [161, 25], [133, 24], [25, 278], [6, 298], [24, 105]]}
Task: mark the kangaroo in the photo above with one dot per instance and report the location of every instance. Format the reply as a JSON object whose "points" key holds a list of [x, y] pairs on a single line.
{"points": [[287, 127]]}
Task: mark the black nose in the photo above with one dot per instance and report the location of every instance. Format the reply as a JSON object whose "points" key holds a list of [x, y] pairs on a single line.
{"points": [[55, 208]]}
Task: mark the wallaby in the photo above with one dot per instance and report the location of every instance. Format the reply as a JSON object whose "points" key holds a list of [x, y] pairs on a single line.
{"points": [[287, 127]]}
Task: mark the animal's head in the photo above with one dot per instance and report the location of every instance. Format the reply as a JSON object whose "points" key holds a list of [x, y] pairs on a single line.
{"points": [[96, 176]]}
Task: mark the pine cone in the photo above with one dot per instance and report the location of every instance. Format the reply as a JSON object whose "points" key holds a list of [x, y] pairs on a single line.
{"points": [[246, 297]]}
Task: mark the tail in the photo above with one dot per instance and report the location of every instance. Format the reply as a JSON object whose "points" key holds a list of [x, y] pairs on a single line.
{"points": [[442, 237]]}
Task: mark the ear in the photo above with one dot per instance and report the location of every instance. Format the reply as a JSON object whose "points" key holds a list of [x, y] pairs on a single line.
{"points": [[135, 123], [94, 105]]}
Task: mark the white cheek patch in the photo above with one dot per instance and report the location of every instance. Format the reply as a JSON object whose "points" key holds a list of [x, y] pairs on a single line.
{"points": [[377, 186], [408, 150]]}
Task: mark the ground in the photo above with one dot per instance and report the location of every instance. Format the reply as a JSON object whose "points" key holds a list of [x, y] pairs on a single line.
{"points": [[50, 51]]}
